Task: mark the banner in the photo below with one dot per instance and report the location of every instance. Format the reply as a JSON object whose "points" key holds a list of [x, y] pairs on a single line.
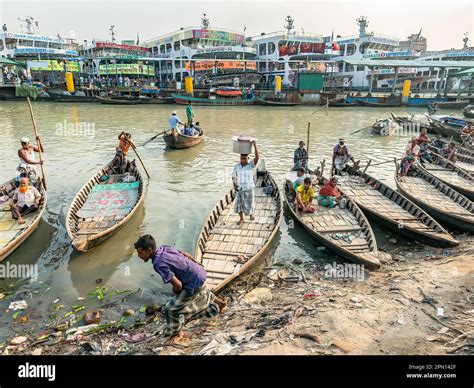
{"points": [[120, 46], [302, 48], [126, 68], [218, 35], [210, 65], [53, 65]]}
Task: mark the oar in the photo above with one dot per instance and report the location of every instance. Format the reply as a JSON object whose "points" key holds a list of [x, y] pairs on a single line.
{"points": [[153, 138], [140, 159], [353, 133], [38, 141], [307, 143]]}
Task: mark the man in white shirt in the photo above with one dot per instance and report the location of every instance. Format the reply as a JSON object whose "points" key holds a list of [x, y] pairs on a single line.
{"points": [[244, 184], [26, 200], [174, 120]]}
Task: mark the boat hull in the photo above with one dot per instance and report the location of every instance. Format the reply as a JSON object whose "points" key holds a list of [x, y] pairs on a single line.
{"points": [[178, 141]]}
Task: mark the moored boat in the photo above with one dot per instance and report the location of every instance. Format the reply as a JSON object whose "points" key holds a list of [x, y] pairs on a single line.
{"points": [[61, 97], [262, 101], [450, 174], [341, 104], [103, 205], [384, 127], [14, 234], [378, 104], [115, 101], [442, 202], [443, 129], [184, 100], [453, 104], [392, 210], [221, 241], [345, 232], [175, 139]]}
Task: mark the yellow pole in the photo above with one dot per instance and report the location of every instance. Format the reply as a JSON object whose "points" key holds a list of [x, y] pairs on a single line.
{"points": [[277, 84], [188, 81], [69, 82]]}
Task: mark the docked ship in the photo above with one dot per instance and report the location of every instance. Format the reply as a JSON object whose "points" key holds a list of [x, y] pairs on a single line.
{"points": [[214, 56], [45, 58]]}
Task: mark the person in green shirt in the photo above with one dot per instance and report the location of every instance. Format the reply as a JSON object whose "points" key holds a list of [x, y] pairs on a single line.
{"points": [[189, 113]]}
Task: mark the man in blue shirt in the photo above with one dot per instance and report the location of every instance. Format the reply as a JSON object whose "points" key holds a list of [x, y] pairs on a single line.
{"points": [[174, 120], [187, 278]]}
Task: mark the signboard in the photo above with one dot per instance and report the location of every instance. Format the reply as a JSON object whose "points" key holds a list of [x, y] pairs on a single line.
{"points": [[120, 46], [127, 68], [53, 66], [218, 35], [210, 65], [293, 49], [392, 54], [37, 50], [9, 35], [319, 67], [401, 70]]}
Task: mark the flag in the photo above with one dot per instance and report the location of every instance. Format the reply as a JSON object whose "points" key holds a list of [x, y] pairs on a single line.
{"points": [[138, 39]]}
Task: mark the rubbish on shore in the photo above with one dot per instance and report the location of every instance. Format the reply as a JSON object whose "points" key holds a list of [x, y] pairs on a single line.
{"points": [[225, 343], [62, 326], [2, 296], [150, 310], [137, 337], [297, 261], [92, 317], [18, 305], [18, 340], [355, 299], [343, 345], [128, 312], [258, 295], [37, 352], [56, 300], [314, 294], [22, 319], [99, 280]]}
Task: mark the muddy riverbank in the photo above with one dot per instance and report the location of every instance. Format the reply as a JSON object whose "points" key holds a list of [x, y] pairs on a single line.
{"points": [[420, 302]]}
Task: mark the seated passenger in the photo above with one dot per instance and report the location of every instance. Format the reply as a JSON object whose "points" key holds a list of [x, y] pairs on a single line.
{"points": [[26, 200], [329, 194], [304, 197]]}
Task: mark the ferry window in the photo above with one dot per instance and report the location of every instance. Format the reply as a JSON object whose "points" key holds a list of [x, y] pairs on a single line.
{"points": [[360, 68], [168, 47], [349, 67], [177, 64], [162, 49], [176, 46], [262, 66], [28, 43], [351, 49], [2, 46], [41, 44], [271, 48], [262, 49], [363, 47]]}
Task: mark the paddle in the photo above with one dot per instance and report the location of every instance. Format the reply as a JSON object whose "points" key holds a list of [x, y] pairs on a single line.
{"points": [[353, 133], [140, 159], [153, 138], [38, 140]]}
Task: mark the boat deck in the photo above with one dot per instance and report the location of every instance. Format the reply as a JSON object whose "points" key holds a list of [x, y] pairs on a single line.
{"points": [[227, 240], [446, 175], [469, 167], [10, 228], [420, 188]]}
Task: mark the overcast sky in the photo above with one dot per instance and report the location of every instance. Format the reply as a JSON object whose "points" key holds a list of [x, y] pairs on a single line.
{"points": [[444, 22]]}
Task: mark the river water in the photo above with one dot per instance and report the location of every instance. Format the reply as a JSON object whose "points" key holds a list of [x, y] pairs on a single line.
{"points": [[184, 185]]}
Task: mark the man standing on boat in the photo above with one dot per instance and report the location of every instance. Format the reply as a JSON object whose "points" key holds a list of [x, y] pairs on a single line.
{"points": [[174, 120], [301, 157], [187, 277], [189, 113], [27, 156], [244, 184]]}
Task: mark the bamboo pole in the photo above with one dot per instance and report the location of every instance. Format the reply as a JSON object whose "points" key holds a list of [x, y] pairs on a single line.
{"points": [[38, 141], [140, 159], [307, 144]]}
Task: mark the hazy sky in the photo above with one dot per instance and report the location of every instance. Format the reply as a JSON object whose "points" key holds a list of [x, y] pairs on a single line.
{"points": [[444, 22]]}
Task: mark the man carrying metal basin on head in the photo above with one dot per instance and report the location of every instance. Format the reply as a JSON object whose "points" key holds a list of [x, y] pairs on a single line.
{"points": [[243, 177]]}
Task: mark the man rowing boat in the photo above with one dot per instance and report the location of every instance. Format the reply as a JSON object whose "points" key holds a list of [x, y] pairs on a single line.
{"points": [[120, 162], [187, 277], [244, 184], [301, 157], [341, 156]]}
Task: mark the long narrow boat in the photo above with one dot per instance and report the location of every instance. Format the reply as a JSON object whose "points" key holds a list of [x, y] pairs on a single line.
{"points": [[449, 173], [460, 149], [221, 241], [330, 225], [378, 104], [59, 97], [14, 234], [438, 199], [453, 104], [384, 127], [115, 101], [392, 210], [175, 139], [102, 206], [464, 158], [444, 130], [341, 104], [262, 101], [184, 100]]}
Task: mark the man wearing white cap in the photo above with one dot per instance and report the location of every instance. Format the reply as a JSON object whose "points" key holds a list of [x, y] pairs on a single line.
{"points": [[27, 152], [174, 120]]}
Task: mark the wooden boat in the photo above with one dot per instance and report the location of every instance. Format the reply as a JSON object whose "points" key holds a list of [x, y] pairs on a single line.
{"points": [[184, 100], [262, 101], [460, 149], [175, 139], [443, 129], [384, 127], [221, 240], [378, 104], [14, 234], [93, 216], [114, 101], [464, 157], [438, 199], [453, 104], [392, 210], [227, 91], [341, 104], [158, 100], [411, 122], [59, 97], [325, 224], [450, 174], [468, 111]]}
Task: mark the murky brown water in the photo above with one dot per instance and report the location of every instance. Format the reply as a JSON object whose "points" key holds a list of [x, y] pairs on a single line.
{"points": [[184, 185]]}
